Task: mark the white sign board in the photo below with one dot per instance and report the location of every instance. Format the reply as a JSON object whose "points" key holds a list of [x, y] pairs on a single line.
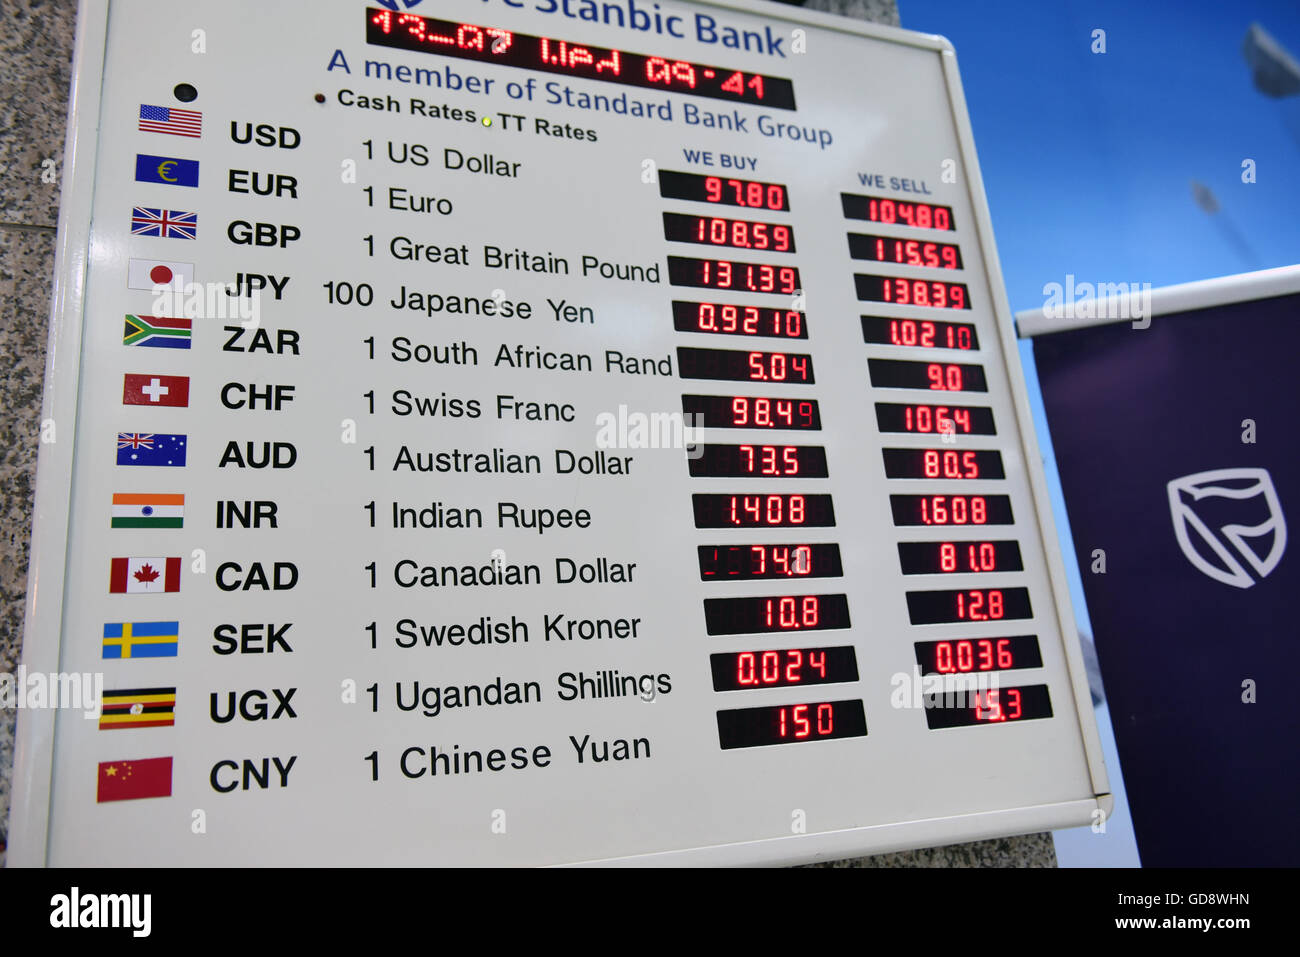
{"points": [[531, 433]]}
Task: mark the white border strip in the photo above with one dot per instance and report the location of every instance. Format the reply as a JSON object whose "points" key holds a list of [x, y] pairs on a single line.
{"points": [[29, 810], [1185, 297], [868, 841]]}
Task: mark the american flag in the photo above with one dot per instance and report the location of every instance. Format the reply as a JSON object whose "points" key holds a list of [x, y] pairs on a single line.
{"points": [[161, 119], [164, 223]]}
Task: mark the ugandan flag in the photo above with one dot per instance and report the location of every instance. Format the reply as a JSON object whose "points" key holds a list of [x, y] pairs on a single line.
{"points": [[157, 332], [138, 708], [148, 510]]}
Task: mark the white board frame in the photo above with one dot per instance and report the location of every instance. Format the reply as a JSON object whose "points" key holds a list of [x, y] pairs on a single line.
{"points": [[1170, 300], [32, 785]]}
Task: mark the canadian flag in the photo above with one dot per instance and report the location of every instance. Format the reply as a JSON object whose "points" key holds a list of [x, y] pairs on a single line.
{"points": [[135, 576]]}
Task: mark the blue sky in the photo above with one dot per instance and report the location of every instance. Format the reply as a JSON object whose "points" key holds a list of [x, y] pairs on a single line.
{"points": [[1087, 161], [1087, 157]]}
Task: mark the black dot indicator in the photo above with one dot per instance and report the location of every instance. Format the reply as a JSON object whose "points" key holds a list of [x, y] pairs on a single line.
{"points": [[185, 92]]}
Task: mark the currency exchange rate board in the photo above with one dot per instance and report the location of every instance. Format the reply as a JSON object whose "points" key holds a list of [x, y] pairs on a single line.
{"points": [[530, 433]]}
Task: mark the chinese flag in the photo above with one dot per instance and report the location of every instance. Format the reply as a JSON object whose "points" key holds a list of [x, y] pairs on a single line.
{"points": [[127, 780]]}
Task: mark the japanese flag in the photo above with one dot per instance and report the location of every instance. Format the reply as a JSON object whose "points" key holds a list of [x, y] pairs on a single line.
{"points": [[148, 273]]}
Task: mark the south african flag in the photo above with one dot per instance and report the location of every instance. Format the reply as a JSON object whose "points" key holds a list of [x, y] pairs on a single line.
{"points": [[157, 331]]}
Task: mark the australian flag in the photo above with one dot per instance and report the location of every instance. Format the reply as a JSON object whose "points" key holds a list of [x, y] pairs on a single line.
{"points": [[164, 223], [151, 448]]}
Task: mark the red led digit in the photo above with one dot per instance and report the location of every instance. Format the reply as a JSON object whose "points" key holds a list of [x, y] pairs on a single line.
{"points": [[1004, 653], [996, 609], [791, 460], [1013, 704], [739, 411], [745, 668], [817, 661], [803, 727], [656, 70], [948, 556], [713, 189], [825, 719], [793, 666]]}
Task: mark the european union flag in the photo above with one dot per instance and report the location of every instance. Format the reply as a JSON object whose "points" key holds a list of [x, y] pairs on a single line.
{"points": [[167, 170]]}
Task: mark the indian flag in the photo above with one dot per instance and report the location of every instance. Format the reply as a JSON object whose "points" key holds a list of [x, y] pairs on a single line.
{"points": [[148, 510]]}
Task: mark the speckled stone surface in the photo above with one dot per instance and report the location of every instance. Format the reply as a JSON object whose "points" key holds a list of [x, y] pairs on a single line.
{"points": [[35, 71], [876, 11], [1031, 850], [35, 52], [36, 39]]}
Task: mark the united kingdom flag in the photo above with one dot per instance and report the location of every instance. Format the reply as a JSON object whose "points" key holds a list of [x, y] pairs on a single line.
{"points": [[164, 223]]}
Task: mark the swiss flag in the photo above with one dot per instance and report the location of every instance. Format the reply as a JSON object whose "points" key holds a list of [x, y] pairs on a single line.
{"points": [[173, 390], [137, 576]]}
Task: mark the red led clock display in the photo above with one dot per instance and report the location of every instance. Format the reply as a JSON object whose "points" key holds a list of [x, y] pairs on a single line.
{"points": [[467, 41]]}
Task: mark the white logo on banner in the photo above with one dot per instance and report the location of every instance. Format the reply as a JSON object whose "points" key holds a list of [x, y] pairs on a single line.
{"points": [[1245, 484]]}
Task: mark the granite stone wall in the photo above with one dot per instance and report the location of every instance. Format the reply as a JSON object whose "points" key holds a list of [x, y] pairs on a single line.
{"points": [[36, 38]]}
